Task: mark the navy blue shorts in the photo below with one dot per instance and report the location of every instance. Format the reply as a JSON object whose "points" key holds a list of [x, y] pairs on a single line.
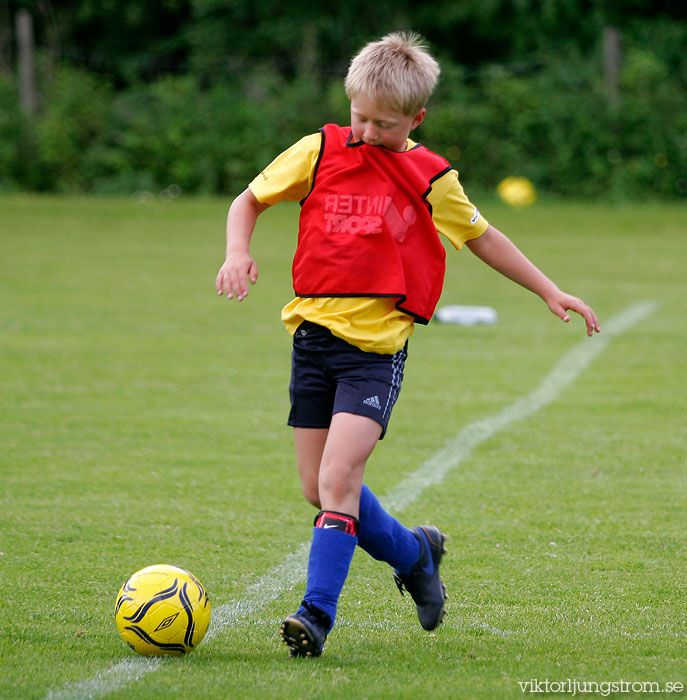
{"points": [[329, 375]]}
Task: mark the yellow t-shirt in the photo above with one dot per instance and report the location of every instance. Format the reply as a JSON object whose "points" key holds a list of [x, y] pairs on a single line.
{"points": [[373, 324]]}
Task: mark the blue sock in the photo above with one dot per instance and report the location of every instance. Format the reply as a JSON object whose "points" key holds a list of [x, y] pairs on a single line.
{"points": [[383, 537], [331, 553]]}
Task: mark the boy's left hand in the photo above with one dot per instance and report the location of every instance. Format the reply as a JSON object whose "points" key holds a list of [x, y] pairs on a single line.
{"points": [[561, 303]]}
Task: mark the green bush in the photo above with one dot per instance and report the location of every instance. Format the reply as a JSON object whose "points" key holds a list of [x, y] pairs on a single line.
{"points": [[212, 140], [72, 132], [557, 127]]}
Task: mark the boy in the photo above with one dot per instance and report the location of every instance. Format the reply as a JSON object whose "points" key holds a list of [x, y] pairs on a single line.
{"points": [[368, 265]]}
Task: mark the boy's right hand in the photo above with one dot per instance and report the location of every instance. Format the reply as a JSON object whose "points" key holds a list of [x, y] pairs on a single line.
{"points": [[232, 276]]}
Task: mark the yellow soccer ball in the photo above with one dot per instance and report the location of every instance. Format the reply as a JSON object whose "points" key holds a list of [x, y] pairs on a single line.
{"points": [[517, 191], [162, 610]]}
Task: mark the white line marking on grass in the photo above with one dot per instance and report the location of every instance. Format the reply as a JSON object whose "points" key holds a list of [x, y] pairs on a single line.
{"points": [[293, 569]]}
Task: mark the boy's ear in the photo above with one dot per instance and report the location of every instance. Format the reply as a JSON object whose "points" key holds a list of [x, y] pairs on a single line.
{"points": [[419, 118]]}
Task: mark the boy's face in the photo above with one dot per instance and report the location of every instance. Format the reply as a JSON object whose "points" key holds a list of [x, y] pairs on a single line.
{"points": [[381, 126]]}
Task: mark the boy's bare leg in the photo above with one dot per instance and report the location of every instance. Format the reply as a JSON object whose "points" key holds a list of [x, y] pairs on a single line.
{"points": [[310, 444], [349, 443]]}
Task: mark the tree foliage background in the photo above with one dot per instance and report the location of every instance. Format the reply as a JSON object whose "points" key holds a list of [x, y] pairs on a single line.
{"points": [[198, 95]]}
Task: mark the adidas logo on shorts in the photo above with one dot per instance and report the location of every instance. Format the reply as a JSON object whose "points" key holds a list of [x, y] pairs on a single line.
{"points": [[374, 402]]}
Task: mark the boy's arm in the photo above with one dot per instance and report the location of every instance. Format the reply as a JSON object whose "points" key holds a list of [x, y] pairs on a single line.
{"points": [[239, 265], [498, 251]]}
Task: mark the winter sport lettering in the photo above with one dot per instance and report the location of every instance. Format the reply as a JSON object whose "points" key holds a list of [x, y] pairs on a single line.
{"points": [[365, 214]]}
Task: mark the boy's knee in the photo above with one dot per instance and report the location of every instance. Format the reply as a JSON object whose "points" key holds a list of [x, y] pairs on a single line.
{"points": [[337, 484]]}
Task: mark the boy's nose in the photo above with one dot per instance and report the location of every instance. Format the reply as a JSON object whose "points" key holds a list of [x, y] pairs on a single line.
{"points": [[370, 135]]}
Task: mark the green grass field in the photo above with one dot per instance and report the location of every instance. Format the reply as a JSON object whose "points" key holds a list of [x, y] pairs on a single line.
{"points": [[142, 420]]}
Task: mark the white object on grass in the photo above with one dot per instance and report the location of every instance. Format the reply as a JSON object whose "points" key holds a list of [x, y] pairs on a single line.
{"points": [[466, 315]]}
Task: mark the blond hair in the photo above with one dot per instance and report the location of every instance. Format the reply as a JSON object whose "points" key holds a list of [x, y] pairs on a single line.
{"points": [[397, 72]]}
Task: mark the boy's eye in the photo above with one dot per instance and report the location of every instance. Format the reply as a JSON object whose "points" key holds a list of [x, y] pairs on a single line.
{"points": [[381, 125]]}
